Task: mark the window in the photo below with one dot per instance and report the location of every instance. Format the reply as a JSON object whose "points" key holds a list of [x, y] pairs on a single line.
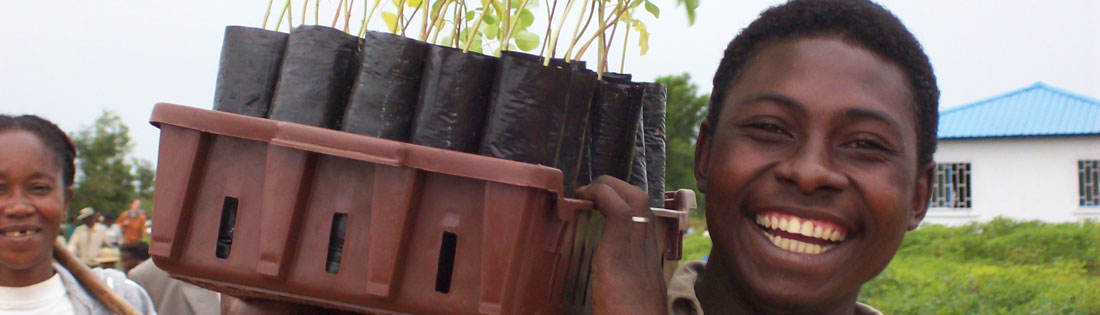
{"points": [[951, 186], [1088, 182]]}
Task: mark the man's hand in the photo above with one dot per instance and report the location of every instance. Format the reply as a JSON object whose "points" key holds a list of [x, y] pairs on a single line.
{"points": [[626, 265]]}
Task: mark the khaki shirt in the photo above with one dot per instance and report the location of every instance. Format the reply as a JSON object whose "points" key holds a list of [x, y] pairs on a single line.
{"points": [[682, 299]]}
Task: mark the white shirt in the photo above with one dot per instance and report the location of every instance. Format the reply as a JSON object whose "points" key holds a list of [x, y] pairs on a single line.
{"points": [[46, 297]]}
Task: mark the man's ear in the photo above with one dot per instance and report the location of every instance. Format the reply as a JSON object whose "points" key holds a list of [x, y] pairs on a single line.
{"points": [[922, 195], [702, 156]]}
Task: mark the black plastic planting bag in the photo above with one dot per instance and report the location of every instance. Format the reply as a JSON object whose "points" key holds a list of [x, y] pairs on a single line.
{"points": [[616, 110], [454, 95], [638, 164], [316, 76], [582, 85], [248, 70], [526, 110], [383, 98], [653, 119]]}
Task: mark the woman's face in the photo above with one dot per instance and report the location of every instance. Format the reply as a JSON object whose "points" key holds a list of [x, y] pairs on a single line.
{"points": [[32, 203]]}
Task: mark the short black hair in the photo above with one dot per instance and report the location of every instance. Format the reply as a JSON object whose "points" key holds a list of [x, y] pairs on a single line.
{"points": [[137, 249], [51, 136], [862, 21]]}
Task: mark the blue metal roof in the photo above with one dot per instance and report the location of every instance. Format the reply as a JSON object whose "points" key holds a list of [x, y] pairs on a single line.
{"points": [[1038, 110]]}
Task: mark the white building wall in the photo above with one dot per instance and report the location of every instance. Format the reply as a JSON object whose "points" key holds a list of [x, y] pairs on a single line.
{"points": [[1021, 178]]}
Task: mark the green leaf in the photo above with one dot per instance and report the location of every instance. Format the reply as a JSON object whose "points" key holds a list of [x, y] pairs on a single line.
{"points": [[526, 18], [526, 41], [643, 38], [491, 31], [652, 8], [391, 21], [635, 3], [471, 15], [412, 3], [490, 19]]}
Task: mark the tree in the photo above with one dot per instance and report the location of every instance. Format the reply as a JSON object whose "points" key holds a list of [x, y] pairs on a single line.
{"points": [[106, 180], [685, 110]]}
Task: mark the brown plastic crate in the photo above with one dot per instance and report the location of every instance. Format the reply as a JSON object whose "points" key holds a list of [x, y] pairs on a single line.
{"points": [[516, 245]]}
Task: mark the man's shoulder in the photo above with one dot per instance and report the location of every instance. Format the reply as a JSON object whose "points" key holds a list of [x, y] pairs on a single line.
{"points": [[681, 289]]}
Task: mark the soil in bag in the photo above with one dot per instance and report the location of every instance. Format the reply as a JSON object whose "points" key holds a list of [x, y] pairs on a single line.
{"points": [[316, 76], [638, 163], [582, 85], [248, 70], [383, 97], [616, 110], [454, 95], [653, 120], [526, 110]]}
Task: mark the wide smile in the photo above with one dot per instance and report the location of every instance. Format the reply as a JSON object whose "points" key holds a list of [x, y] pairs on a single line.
{"points": [[800, 235]]}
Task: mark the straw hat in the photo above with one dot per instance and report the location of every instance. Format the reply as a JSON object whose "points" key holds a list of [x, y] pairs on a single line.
{"points": [[107, 255], [84, 213]]}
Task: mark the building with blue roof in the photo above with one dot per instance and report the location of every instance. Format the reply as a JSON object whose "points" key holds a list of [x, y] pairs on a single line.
{"points": [[1030, 154]]}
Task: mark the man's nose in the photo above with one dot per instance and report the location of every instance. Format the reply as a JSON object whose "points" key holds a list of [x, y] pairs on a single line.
{"points": [[811, 169]]}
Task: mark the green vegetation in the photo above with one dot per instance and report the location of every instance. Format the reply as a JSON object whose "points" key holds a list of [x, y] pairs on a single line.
{"points": [[999, 267], [684, 111], [107, 177]]}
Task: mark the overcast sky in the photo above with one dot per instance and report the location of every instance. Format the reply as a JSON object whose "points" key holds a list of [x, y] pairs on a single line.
{"points": [[69, 60]]}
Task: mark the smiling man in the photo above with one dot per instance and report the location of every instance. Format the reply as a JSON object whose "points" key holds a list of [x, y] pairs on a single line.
{"points": [[816, 159]]}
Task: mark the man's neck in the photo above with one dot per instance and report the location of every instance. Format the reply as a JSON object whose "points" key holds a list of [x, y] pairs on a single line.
{"points": [[718, 293]]}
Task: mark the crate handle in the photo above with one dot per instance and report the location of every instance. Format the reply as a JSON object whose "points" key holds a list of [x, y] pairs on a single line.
{"points": [[569, 207]]}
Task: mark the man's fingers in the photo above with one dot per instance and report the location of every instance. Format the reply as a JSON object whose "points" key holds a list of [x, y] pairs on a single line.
{"points": [[617, 198], [636, 197]]}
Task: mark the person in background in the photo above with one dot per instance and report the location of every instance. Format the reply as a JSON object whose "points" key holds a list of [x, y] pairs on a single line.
{"points": [[132, 222], [114, 232], [88, 238], [133, 254], [38, 275], [107, 258], [171, 296]]}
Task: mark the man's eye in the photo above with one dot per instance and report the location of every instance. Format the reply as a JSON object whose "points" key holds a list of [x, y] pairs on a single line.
{"points": [[41, 189], [769, 127], [865, 144]]}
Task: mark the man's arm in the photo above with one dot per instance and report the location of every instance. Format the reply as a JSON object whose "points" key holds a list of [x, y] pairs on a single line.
{"points": [[626, 265]]}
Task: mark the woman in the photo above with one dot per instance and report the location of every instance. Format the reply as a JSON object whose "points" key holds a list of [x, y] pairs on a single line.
{"points": [[37, 275]]}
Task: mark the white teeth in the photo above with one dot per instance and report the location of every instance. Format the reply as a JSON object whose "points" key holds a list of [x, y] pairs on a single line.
{"points": [[797, 246], [807, 228], [774, 222], [817, 231], [783, 224], [794, 226]]}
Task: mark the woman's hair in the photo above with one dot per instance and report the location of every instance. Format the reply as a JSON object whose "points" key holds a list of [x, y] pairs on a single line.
{"points": [[55, 140]]}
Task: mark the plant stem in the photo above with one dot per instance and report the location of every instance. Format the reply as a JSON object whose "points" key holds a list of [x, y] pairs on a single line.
{"points": [[399, 20], [477, 25], [289, 17], [437, 23], [336, 18], [557, 32], [316, 12], [279, 22], [347, 15], [549, 23], [626, 39], [576, 35], [424, 18], [411, 17], [267, 13], [601, 49], [305, 5], [363, 31], [512, 24], [599, 31]]}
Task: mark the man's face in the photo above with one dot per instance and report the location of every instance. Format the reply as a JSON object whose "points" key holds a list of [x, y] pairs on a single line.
{"points": [[811, 172]]}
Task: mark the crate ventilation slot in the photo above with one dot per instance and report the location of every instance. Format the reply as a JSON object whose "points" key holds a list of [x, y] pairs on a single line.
{"points": [[225, 228], [336, 242], [446, 263]]}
